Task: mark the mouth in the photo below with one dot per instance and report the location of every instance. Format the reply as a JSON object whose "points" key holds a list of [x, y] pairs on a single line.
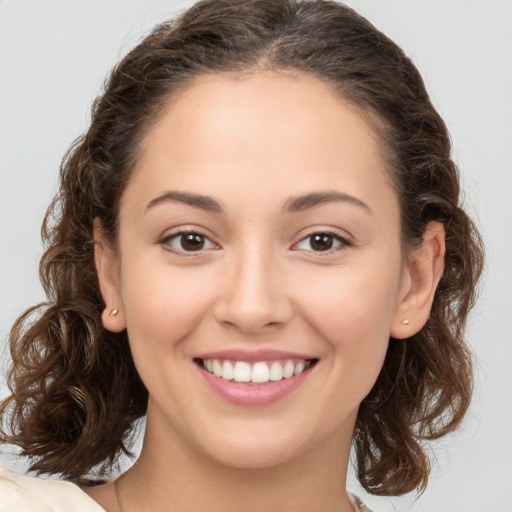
{"points": [[255, 372], [254, 378]]}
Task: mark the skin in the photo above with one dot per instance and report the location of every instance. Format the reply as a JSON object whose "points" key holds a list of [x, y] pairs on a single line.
{"points": [[254, 144]]}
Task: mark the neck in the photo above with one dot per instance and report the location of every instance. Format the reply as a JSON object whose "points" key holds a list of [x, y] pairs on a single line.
{"points": [[173, 476]]}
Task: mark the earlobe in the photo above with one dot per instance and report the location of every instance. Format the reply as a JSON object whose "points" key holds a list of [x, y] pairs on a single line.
{"points": [[423, 273], [105, 260]]}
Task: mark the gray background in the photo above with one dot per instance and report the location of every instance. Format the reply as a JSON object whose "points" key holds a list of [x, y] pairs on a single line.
{"points": [[54, 55]]}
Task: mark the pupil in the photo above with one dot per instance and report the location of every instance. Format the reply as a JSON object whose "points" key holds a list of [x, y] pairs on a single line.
{"points": [[321, 242], [192, 242]]}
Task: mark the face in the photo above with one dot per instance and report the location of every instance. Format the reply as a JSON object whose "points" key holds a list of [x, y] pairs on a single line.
{"points": [[258, 237]]}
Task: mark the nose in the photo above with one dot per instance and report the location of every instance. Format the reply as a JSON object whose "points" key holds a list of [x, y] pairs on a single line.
{"points": [[253, 295]]}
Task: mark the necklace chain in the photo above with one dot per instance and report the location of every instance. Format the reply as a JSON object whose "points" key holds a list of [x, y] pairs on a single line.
{"points": [[118, 497]]}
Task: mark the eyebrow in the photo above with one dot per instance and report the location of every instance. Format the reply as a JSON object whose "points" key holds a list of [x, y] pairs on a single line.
{"points": [[315, 199], [293, 205], [195, 200]]}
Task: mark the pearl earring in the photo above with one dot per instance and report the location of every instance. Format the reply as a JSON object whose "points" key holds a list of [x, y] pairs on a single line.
{"points": [[405, 321], [114, 312]]}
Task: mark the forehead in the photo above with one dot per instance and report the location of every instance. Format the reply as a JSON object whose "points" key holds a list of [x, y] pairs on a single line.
{"points": [[265, 133]]}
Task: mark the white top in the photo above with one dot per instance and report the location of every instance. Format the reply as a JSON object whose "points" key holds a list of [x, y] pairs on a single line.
{"points": [[34, 494], [20, 493]]}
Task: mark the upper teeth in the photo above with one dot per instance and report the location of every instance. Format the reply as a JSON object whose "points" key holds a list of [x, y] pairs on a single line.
{"points": [[260, 372]]}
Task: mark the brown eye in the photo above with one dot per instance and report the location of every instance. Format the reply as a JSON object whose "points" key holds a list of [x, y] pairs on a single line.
{"points": [[189, 241], [192, 241], [322, 242]]}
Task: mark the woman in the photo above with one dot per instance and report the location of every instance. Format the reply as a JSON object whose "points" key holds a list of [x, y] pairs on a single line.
{"points": [[259, 245]]}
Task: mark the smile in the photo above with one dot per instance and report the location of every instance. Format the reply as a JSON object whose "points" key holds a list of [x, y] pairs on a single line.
{"points": [[254, 379], [259, 372]]}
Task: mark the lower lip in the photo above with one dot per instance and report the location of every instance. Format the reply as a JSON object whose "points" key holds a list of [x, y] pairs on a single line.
{"points": [[253, 395]]}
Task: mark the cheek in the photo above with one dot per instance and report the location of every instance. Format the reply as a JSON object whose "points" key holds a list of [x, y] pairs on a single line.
{"points": [[163, 305], [354, 301], [352, 312]]}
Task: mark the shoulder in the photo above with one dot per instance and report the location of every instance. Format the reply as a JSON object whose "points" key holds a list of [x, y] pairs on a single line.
{"points": [[19, 493]]}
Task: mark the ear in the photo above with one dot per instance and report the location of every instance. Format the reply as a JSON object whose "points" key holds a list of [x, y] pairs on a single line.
{"points": [[106, 262], [419, 282]]}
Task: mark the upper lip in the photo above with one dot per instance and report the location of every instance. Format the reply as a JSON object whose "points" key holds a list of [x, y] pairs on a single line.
{"points": [[252, 356]]}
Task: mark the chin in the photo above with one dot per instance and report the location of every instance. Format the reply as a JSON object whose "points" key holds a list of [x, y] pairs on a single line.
{"points": [[257, 451], [254, 458]]}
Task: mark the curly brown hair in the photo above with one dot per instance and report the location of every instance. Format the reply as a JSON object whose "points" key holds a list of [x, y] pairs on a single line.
{"points": [[75, 390]]}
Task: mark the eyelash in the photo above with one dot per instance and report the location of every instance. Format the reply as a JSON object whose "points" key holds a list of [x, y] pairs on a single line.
{"points": [[343, 243], [180, 234]]}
